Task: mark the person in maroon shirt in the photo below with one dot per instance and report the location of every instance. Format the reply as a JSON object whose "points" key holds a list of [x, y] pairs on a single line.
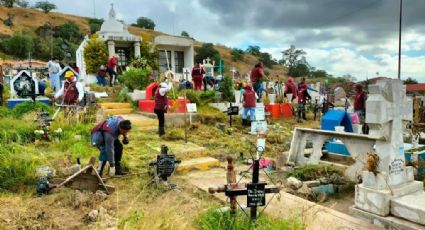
{"points": [[256, 77], [249, 99], [360, 102], [111, 69], [197, 74], [291, 88]]}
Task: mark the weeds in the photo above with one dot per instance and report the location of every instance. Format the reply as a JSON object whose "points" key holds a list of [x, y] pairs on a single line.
{"points": [[214, 219], [313, 172]]}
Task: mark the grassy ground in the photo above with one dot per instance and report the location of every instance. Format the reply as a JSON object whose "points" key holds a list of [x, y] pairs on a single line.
{"points": [[134, 204]]}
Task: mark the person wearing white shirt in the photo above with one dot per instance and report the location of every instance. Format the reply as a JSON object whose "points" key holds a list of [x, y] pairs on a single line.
{"points": [[72, 90], [54, 68]]}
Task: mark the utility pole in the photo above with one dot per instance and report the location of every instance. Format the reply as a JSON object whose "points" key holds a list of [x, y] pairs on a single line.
{"points": [[399, 39]]}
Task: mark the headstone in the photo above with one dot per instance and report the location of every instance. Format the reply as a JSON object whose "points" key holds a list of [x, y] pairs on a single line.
{"points": [[23, 85], [259, 125], [390, 189]]}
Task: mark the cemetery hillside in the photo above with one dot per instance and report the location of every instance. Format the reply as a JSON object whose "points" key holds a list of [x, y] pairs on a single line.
{"points": [[107, 123], [27, 20]]}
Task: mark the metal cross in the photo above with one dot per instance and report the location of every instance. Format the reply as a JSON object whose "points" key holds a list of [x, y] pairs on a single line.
{"points": [[255, 191]]}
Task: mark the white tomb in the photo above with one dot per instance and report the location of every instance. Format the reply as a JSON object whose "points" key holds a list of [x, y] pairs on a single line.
{"points": [[393, 189]]}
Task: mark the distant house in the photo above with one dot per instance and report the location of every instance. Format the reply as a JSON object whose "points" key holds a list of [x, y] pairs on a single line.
{"points": [[175, 52], [416, 89]]}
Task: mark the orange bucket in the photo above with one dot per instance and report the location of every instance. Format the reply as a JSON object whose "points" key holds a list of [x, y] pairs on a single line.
{"points": [[286, 110]]}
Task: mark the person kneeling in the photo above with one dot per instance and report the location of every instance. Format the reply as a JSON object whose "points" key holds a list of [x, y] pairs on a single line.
{"points": [[105, 136]]}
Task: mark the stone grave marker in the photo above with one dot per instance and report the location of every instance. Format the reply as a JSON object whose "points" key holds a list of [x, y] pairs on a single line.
{"points": [[393, 189]]}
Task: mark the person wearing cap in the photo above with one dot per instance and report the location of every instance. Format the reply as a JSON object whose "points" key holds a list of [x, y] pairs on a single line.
{"points": [[72, 90], [105, 136], [101, 75], [161, 104], [249, 98]]}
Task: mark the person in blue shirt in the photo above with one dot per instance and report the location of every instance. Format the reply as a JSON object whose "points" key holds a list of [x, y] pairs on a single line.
{"points": [[105, 136]]}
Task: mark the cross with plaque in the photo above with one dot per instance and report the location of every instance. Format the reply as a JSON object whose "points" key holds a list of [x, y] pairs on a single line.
{"points": [[255, 191], [164, 166]]}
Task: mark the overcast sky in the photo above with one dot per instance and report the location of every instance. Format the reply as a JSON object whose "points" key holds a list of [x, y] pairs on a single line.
{"points": [[356, 37]]}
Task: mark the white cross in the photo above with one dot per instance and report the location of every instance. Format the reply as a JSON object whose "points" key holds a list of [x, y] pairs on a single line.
{"points": [[208, 60], [186, 73]]}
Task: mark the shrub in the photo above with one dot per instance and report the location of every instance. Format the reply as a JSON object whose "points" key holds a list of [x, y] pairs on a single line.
{"points": [[69, 31], [237, 54], [95, 55], [313, 172], [19, 45], [200, 97], [135, 78], [29, 106], [226, 88]]}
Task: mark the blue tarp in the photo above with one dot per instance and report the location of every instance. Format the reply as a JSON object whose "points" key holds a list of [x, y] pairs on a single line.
{"points": [[336, 118]]}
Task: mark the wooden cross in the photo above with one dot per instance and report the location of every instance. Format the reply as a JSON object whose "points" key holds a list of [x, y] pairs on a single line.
{"points": [[255, 191]]}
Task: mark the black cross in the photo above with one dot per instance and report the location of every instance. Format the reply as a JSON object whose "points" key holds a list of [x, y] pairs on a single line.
{"points": [[255, 191]]}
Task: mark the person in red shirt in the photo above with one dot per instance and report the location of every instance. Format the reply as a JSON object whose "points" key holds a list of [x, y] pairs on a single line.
{"points": [[303, 97], [360, 102], [257, 75], [290, 88], [197, 74], [111, 69], [249, 98]]}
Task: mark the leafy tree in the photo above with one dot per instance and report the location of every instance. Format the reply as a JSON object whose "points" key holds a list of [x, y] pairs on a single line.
{"points": [[298, 70], [237, 54], [135, 78], [151, 54], [318, 74], [410, 80], [69, 31], [254, 50], [145, 23], [7, 3], [19, 45], [95, 54], [95, 24], [45, 6], [292, 56], [184, 34], [205, 51], [267, 59]]}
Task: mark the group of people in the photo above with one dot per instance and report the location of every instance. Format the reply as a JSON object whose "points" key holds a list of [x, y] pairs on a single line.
{"points": [[200, 78], [108, 71]]}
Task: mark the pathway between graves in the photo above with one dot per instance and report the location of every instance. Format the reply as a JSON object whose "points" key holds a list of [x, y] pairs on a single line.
{"points": [[314, 216]]}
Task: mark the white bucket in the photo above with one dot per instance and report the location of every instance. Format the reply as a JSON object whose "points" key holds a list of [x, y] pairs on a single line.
{"points": [[289, 97], [339, 129], [357, 128]]}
